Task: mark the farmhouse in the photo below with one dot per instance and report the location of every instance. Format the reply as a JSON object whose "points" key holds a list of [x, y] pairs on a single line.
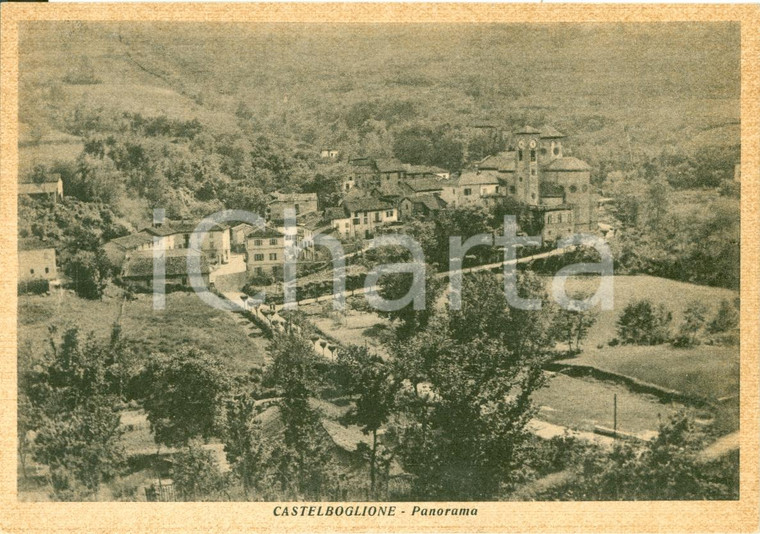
{"points": [[117, 249], [50, 186], [36, 261], [138, 270], [360, 217], [177, 235], [300, 202]]}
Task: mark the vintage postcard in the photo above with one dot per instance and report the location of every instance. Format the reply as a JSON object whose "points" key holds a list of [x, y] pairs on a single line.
{"points": [[362, 267]]}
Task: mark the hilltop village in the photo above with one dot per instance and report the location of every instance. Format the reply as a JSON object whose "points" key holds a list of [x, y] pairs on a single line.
{"points": [[379, 196]]}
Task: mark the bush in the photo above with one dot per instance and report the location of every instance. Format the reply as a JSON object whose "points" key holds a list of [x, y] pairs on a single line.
{"points": [[641, 323], [35, 287]]}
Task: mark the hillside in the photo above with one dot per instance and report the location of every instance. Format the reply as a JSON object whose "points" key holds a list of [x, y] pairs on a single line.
{"points": [[620, 91]]}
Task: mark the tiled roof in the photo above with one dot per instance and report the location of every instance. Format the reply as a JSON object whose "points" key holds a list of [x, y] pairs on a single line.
{"points": [[424, 184], [390, 165], [132, 241], [367, 204], [140, 264], [549, 132], [267, 231], [335, 212], [431, 202], [568, 164], [46, 179], [528, 130], [32, 243], [180, 227], [477, 178], [504, 161]]}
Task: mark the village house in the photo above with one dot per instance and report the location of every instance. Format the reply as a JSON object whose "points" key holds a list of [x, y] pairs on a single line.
{"points": [[300, 202], [237, 236], [414, 172], [36, 261], [138, 270], [177, 235], [361, 216], [50, 186], [265, 251], [471, 187], [118, 249]]}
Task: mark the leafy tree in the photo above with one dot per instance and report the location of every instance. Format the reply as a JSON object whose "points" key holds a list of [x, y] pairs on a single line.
{"points": [[469, 378], [196, 473], [669, 467], [643, 323], [183, 394], [694, 319], [572, 326], [81, 448], [89, 272], [293, 368], [395, 286], [370, 379], [726, 318], [69, 401]]}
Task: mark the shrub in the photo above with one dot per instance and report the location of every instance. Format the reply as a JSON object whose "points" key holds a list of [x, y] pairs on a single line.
{"points": [[643, 323]]}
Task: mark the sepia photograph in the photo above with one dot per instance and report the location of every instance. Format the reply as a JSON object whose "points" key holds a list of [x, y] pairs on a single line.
{"points": [[380, 268]]}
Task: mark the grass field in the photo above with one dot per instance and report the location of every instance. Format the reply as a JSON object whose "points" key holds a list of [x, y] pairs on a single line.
{"points": [[185, 322], [581, 403]]}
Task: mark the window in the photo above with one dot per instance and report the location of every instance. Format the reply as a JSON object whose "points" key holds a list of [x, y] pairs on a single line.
{"points": [[533, 154], [356, 220], [272, 256], [519, 155], [389, 213], [288, 238], [585, 188], [533, 172], [366, 220], [258, 257], [543, 151], [512, 189], [31, 271], [377, 216], [273, 241], [549, 218], [47, 271], [573, 189], [259, 270], [559, 217], [556, 151], [257, 242], [533, 196], [467, 192], [346, 225]]}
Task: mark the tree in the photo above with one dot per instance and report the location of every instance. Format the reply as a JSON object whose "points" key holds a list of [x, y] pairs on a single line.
{"points": [[573, 325], [726, 318], [370, 380], [468, 381], [410, 321], [196, 473], [82, 448], [669, 467], [643, 323], [183, 394], [69, 401], [694, 319], [89, 272], [300, 455]]}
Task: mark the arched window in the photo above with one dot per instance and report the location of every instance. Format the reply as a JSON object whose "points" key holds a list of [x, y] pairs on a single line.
{"points": [[573, 189], [519, 155], [556, 151], [533, 154]]}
